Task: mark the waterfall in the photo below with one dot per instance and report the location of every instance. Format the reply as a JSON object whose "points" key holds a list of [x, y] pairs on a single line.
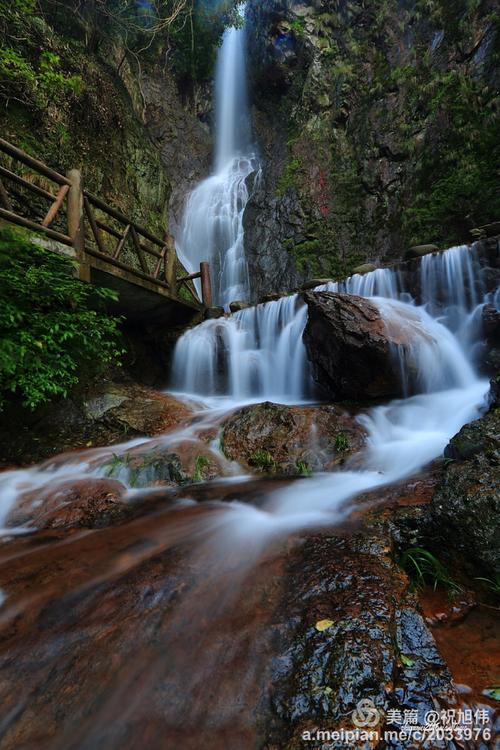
{"points": [[212, 225], [259, 352]]}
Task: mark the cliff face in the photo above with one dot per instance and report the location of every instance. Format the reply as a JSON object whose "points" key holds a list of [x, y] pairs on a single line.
{"points": [[376, 120], [129, 121], [377, 123]]}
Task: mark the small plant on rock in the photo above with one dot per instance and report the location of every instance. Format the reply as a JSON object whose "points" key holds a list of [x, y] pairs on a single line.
{"points": [[263, 460], [424, 568], [303, 469], [341, 443], [201, 463]]}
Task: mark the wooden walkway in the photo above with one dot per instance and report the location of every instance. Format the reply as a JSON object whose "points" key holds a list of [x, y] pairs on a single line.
{"points": [[110, 249]]}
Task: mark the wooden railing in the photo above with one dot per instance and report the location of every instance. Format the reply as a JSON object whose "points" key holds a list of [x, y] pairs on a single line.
{"points": [[92, 227]]}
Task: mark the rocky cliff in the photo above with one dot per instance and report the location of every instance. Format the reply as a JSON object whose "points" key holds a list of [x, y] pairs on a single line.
{"points": [[132, 113], [377, 125]]}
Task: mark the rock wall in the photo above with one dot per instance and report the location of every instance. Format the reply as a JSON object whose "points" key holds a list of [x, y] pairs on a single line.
{"points": [[138, 133], [376, 122]]}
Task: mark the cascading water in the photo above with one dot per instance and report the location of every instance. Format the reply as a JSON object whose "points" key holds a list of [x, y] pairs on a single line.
{"points": [[212, 225], [402, 436], [257, 352]]}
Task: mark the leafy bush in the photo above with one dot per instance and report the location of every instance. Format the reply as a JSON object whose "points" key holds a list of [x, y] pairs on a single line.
{"points": [[50, 337]]}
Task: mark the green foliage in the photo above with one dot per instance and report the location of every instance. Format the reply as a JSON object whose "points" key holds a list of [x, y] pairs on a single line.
{"points": [[492, 584], [303, 469], [263, 460], [50, 338], [457, 175], [423, 568], [201, 463], [36, 82], [298, 27], [341, 442], [288, 178], [112, 468]]}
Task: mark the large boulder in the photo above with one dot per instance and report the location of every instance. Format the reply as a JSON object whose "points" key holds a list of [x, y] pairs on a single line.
{"points": [[351, 348], [130, 409], [80, 502], [291, 439], [466, 505], [364, 268], [418, 251]]}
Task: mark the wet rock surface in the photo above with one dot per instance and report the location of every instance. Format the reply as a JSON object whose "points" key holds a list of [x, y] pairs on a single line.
{"points": [[490, 319], [215, 652], [291, 439], [354, 632], [466, 505], [161, 630], [106, 414], [85, 502], [349, 347]]}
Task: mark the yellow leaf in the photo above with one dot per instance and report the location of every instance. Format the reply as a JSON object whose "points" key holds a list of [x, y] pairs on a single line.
{"points": [[87, 445], [322, 625]]}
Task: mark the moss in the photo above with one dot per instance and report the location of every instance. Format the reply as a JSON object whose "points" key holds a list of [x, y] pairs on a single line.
{"points": [[288, 178]]}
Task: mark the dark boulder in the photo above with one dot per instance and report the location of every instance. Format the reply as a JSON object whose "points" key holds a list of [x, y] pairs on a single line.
{"points": [[212, 313], [466, 505], [490, 318], [350, 347]]}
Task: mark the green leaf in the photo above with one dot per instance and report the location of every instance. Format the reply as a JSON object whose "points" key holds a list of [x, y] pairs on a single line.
{"points": [[406, 660]]}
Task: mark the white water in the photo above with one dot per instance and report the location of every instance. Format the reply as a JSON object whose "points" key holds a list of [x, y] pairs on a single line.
{"points": [[258, 354], [212, 225]]}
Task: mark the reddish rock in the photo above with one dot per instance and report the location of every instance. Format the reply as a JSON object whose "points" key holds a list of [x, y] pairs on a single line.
{"points": [[291, 439], [82, 502], [135, 409], [350, 347]]}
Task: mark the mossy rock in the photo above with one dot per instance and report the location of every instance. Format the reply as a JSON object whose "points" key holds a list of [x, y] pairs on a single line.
{"points": [[364, 268], [418, 251]]}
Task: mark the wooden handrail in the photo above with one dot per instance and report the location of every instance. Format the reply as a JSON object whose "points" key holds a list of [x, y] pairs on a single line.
{"points": [[102, 206], [38, 166], [13, 218], [79, 205], [26, 183]]}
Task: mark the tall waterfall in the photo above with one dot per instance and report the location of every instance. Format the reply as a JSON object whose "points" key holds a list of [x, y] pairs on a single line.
{"points": [[212, 225]]}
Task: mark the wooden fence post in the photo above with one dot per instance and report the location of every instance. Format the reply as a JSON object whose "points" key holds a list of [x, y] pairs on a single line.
{"points": [[170, 263], [76, 227], [206, 284]]}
